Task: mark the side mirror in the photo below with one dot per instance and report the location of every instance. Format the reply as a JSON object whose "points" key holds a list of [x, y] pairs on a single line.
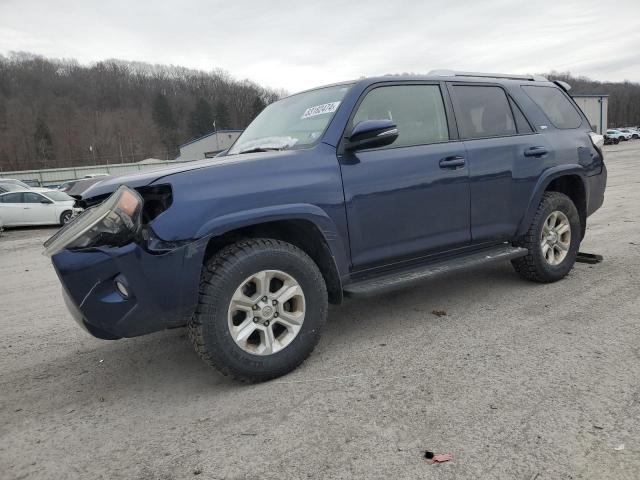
{"points": [[46, 202], [372, 134]]}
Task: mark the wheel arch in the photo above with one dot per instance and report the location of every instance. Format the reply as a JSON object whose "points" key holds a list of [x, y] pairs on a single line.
{"points": [[570, 180], [307, 227]]}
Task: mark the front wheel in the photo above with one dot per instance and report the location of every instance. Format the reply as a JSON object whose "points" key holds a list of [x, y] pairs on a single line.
{"points": [[65, 217], [262, 307], [553, 240]]}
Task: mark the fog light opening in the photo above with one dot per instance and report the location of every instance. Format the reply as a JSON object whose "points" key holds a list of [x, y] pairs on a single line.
{"points": [[122, 289]]}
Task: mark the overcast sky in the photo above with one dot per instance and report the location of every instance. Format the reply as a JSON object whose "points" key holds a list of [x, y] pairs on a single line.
{"points": [[304, 43]]}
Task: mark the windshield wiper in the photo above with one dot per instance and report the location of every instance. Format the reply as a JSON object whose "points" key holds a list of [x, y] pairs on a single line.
{"points": [[261, 149]]}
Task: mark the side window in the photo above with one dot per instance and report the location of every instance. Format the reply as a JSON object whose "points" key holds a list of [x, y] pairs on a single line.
{"points": [[29, 197], [483, 111], [12, 198], [417, 110], [555, 106]]}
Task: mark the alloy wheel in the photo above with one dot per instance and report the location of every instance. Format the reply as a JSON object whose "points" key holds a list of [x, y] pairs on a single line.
{"points": [[266, 312], [555, 238]]}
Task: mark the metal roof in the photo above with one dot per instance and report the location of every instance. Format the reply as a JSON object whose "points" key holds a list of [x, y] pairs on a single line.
{"points": [[207, 135]]}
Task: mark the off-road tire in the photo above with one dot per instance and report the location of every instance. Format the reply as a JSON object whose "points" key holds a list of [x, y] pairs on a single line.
{"points": [[221, 275], [533, 266]]}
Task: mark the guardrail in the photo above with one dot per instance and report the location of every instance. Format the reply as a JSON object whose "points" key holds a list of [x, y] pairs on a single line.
{"points": [[60, 175]]}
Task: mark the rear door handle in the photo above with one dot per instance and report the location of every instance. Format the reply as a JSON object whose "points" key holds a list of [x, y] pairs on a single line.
{"points": [[536, 152], [455, 161]]}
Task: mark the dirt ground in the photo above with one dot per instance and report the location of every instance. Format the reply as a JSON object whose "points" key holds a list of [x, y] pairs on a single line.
{"points": [[517, 380]]}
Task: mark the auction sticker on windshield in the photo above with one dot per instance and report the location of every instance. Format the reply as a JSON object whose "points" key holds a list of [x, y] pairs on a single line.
{"points": [[320, 110]]}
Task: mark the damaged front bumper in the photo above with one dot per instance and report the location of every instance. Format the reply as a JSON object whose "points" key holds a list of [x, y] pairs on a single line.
{"points": [[128, 291]]}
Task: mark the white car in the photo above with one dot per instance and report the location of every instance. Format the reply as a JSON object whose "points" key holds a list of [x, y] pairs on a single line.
{"points": [[624, 135], [631, 131], [23, 185], [26, 207], [616, 134]]}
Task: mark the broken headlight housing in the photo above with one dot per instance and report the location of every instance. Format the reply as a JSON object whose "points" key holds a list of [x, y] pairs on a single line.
{"points": [[114, 223]]}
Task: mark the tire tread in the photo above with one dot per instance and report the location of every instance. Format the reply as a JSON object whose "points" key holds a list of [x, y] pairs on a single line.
{"points": [[527, 266], [217, 268]]}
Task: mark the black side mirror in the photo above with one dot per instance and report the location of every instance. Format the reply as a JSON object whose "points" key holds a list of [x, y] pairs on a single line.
{"points": [[372, 134], [46, 202]]}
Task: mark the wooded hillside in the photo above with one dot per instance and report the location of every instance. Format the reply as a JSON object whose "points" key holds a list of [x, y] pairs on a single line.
{"points": [[57, 113], [624, 97]]}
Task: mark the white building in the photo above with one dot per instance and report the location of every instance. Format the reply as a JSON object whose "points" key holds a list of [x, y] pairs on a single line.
{"points": [[595, 108], [208, 146]]}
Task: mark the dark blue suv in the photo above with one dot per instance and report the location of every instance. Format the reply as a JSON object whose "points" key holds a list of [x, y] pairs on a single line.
{"points": [[349, 189]]}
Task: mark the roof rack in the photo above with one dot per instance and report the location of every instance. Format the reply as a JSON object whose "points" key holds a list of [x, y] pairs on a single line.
{"points": [[453, 73]]}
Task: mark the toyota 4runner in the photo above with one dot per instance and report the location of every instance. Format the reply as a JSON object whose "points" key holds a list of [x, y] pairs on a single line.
{"points": [[349, 189]]}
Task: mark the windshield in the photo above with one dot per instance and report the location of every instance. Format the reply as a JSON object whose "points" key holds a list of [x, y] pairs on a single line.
{"points": [[58, 196], [298, 120]]}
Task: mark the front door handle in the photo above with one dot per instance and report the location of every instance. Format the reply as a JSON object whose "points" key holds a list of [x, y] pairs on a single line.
{"points": [[455, 161], [536, 152]]}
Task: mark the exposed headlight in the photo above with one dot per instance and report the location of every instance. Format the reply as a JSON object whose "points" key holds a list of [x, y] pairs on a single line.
{"points": [[115, 222]]}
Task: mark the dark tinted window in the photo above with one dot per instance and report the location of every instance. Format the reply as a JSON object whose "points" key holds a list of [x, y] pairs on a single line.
{"points": [[12, 198], [417, 110], [483, 111], [555, 106]]}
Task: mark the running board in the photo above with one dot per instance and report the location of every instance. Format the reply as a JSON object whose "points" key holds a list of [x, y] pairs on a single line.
{"points": [[392, 281]]}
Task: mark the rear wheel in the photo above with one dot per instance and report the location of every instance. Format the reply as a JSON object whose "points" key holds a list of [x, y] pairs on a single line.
{"points": [[553, 240], [262, 307], [65, 217]]}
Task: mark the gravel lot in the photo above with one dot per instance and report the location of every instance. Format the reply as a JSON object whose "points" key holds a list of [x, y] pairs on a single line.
{"points": [[517, 380]]}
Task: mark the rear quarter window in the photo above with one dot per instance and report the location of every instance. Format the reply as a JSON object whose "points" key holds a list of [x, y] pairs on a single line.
{"points": [[555, 105]]}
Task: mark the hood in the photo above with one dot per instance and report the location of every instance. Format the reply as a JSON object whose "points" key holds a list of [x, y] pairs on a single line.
{"points": [[135, 180]]}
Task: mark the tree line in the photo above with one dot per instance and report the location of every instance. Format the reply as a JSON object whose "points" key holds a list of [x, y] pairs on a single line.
{"points": [[624, 97], [59, 113]]}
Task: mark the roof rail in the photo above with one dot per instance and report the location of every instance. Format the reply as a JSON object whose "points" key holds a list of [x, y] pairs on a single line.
{"points": [[453, 73]]}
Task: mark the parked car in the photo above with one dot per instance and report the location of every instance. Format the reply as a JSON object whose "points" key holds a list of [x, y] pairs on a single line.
{"points": [[26, 207], [66, 186], [613, 137], [630, 131], [21, 184], [622, 136], [350, 189], [95, 175], [79, 187], [32, 183], [9, 187]]}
